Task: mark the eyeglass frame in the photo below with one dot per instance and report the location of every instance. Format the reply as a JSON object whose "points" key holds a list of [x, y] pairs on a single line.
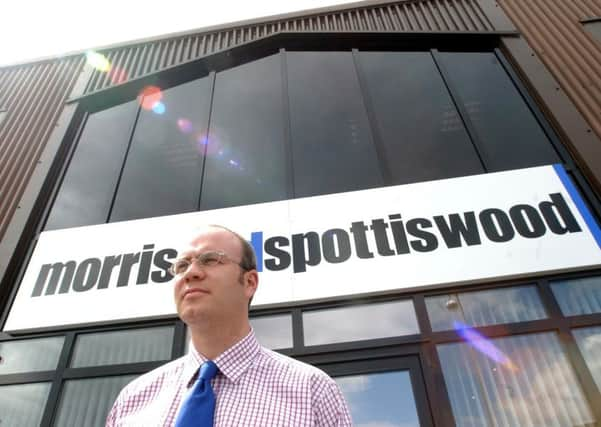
{"points": [[197, 259]]}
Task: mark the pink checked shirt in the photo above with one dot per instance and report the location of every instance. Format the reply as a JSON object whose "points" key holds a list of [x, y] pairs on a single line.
{"points": [[254, 387]]}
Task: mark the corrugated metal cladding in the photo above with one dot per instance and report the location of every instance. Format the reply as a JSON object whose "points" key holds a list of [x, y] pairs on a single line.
{"points": [[433, 15], [553, 30], [32, 97]]}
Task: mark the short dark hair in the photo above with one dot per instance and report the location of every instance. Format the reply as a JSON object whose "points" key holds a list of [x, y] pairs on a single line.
{"points": [[249, 260]]}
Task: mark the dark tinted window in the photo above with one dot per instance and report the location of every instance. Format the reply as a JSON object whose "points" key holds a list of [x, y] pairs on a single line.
{"points": [[89, 184], [163, 168], [332, 145], [422, 134], [246, 159], [511, 137]]}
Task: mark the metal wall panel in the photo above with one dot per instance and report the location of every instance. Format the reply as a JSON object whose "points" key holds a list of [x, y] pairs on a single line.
{"points": [[129, 62], [553, 29], [33, 97]]}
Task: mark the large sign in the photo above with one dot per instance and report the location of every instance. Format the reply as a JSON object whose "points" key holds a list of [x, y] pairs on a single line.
{"points": [[458, 230]]}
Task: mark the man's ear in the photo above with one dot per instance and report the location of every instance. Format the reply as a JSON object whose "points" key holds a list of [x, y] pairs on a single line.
{"points": [[251, 283]]}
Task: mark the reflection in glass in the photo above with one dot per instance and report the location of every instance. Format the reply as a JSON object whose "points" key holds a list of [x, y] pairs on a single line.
{"points": [[88, 402], [382, 399], [274, 332], [332, 147], [87, 190], [163, 169], [23, 404], [422, 133], [578, 296], [589, 343], [361, 322], [538, 388], [130, 346], [246, 159], [508, 132], [482, 308], [39, 354]]}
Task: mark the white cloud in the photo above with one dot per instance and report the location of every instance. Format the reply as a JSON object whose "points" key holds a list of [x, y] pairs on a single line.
{"points": [[41, 28]]}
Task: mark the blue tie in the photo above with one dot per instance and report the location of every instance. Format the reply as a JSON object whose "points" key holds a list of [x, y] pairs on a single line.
{"points": [[198, 409]]}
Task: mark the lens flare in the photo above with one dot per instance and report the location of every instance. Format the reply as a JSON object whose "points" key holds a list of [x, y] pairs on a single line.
{"points": [[118, 75], [149, 96], [184, 125], [158, 108], [98, 61], [483, 345]]}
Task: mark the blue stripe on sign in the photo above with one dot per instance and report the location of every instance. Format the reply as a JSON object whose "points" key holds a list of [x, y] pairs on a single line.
{"points": [[577, 199], [256, 240]]}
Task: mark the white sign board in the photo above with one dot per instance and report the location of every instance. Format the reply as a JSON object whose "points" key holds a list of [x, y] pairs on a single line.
{"points": [[458, 230]]}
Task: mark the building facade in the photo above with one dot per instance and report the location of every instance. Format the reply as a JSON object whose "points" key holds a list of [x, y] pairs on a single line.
{"points": [[420, 181]]}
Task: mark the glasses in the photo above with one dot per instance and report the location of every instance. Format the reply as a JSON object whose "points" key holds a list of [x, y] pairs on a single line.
{"points": [[205, 259]]}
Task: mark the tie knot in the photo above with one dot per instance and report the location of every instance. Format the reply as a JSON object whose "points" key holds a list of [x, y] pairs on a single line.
{"points": [[208, 370]]}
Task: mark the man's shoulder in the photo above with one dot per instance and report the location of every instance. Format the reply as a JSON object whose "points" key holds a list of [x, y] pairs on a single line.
{"points": [[292, 367], [155, 378]]}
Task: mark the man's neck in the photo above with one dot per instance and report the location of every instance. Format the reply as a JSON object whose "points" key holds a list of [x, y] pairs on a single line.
{"points": [[211, 342]]}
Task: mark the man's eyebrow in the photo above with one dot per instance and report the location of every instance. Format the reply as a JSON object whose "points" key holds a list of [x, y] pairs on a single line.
{"points": [[187, 254]]}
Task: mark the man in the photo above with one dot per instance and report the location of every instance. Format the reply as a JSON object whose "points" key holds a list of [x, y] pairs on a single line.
{"points": [[215, 279]]}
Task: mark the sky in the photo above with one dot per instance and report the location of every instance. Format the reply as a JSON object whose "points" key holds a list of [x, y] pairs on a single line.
{"points": [[33, 29]]}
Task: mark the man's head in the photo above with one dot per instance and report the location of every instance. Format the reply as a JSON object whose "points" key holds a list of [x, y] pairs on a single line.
{"points": [[219, 292]]}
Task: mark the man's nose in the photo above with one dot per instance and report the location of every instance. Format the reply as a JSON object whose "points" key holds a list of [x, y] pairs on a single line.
{"points": [[194, 272]]}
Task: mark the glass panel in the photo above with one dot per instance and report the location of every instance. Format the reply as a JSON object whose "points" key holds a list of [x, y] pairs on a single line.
{"points": [[333, 325], [589, 342], [594, 28], [163, 168], [273, 332], [332, 146], [23, 404], [109, 348], [88, 402], [508, 131], [423, 135], [578, 296], [382, 399], [514, 381], [40, 354], [246, 158], [89, 185], [482, 308]]}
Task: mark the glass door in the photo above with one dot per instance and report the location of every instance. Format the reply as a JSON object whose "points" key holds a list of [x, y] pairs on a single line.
{"points": [[384, 392]]}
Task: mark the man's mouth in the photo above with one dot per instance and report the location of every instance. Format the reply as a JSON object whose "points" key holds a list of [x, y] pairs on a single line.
{"points": [[194, 291]]}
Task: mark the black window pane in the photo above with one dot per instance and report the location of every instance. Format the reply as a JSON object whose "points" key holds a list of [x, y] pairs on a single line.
{"points": [[87, 190], [31, 355], [578, 296], [163, 168], [129, 346], [246, 158], [87, 402], [332, 144], [522, 380], [382, 399], [510, 135], [421, 131], [483, 308], [23, 404]]}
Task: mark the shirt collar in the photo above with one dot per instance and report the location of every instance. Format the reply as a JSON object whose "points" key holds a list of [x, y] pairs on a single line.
{"points": [[232, 363]]}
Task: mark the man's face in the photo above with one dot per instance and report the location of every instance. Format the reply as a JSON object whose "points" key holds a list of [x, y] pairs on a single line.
{"points": [[218, 293]]}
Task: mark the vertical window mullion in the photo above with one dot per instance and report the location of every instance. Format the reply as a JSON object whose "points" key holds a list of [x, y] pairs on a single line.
{"points": [[130, 139], [372, 119], [212, 76], [57, 382], [462, 111], [287, 127]]}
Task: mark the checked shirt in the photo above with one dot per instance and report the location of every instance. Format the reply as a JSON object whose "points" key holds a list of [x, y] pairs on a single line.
{"points": [[254, 387]]}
